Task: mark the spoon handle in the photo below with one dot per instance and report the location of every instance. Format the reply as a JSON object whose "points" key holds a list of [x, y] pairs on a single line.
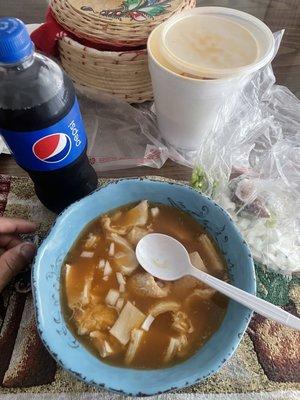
{"points": [[248, 300]]}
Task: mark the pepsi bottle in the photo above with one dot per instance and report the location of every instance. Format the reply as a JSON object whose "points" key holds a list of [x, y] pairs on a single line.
{"points": [[40, 120]]}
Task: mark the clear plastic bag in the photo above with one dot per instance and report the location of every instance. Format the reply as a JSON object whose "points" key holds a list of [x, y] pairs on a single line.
{"points": [[119, 135], [250, 164], [124, 136]]}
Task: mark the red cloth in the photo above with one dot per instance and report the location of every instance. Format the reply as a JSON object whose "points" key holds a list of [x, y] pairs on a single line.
{"points": [[47, 35]]}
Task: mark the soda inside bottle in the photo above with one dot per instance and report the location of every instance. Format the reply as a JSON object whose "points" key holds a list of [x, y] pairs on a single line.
{"points": [[40, 120]]}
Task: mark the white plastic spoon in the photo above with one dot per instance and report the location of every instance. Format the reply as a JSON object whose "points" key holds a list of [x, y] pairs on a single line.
{"points": [[167, 259]]}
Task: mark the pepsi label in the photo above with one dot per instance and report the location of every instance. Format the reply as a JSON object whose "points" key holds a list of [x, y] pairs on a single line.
{"points": [[50, 148]]}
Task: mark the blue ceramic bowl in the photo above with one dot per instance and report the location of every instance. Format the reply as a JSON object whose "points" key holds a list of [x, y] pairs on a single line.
{"points": [[46, 288]]}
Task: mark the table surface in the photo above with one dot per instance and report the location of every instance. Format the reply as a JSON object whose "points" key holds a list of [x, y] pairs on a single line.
{"points": [[277, 14]]}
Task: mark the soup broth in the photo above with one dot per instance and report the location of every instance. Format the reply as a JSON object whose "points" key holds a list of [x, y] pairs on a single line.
{"points": [[120, 312]]}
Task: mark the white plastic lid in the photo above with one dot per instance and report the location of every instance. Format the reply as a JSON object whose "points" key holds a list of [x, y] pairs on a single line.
{"points": [[216, 42]]}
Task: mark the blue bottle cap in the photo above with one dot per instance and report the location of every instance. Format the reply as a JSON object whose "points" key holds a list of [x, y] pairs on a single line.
{"points": [[15, 42]]}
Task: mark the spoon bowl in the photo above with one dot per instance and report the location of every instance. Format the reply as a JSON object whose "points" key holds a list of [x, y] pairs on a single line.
{"points": [[167, 261]]}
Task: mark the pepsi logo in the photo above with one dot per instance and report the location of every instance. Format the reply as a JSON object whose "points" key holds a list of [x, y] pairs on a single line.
{"points": [[52, 148]]}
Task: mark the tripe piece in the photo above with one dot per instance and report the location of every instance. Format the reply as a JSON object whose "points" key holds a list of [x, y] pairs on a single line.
{"points": [[106, 223], [107, 269], [120, 278], [181, 322], [185, 285], [130, 317], [127, 263], [93, 318], [112, 297], [120, 303], [171, 350], [122, 288], [147, 323], [163, 307], [201, 294], [121, 241], [87, 254], [154, 211], [177, 346], [102, 345], [120, 254], [182, 346], [86, 293], [197, 261], [91, 241], [136, 234], [111, 250], [135, 342], [143, 284], [214, 259], [137, 216]]}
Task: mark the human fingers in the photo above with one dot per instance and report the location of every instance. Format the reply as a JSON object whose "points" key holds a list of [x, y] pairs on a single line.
{"points": [[9, 241], [14, 260], [16, 225]]}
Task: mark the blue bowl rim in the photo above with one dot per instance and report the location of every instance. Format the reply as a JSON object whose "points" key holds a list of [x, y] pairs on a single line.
{"points": [[244, 322]]}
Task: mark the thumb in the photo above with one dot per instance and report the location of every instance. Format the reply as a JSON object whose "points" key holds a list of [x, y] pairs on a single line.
{"points": [[14, 260]]}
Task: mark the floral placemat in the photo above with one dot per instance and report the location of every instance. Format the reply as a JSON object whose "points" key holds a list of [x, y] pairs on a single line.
{"points": [[266, 365]]}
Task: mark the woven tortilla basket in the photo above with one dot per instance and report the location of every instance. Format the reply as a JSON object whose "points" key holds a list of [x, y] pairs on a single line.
{"points": [[110, 31], [122, 74]]}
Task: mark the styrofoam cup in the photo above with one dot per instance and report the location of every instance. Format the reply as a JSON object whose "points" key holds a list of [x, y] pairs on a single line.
{"points": [[189, 87]]}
